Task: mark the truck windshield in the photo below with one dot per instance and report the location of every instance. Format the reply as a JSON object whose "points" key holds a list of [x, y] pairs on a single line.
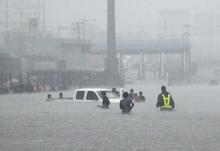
{"points": [[109, 94]]}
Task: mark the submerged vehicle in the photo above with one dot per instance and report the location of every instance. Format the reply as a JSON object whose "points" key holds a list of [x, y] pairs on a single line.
{"points": [[94, 94]]}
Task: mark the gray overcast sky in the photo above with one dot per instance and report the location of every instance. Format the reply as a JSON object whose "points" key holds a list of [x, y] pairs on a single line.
{"points": [[131, 15]]}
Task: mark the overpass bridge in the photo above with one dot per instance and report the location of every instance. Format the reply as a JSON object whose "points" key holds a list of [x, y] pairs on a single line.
{"points": [[140, 47]]}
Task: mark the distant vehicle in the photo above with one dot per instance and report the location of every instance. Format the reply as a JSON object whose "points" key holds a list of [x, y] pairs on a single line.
{"points": [[150, 67], [128, 80], [94, 95], [213, 82]]}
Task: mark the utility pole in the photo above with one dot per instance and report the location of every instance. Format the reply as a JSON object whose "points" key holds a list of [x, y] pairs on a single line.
{"points": [[77, 28]]}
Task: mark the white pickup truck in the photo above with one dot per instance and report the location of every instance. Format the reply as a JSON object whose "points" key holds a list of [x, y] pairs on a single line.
{"points": [[94, 94]]}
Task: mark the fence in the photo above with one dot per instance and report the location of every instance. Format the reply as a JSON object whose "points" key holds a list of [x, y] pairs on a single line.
{"points": [[42, 81]]}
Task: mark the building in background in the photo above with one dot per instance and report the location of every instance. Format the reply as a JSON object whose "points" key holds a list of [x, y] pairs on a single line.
{"points": [[9, 64], [53, 53], [173, 24]]}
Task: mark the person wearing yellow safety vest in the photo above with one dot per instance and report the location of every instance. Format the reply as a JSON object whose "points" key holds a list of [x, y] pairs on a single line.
{"points": [[165, 100]]}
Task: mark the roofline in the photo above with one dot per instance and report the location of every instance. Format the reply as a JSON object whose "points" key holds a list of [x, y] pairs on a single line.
{"points": [[144, 46]]}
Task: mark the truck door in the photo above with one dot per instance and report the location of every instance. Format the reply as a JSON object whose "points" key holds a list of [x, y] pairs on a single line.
{"points": [[91, 95]]}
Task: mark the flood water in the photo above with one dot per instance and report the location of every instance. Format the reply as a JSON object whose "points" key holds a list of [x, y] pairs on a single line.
{"points": [[29, 123]]}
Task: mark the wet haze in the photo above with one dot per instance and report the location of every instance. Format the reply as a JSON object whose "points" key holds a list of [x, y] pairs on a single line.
{"points": [[35, 62], [131, 15]]}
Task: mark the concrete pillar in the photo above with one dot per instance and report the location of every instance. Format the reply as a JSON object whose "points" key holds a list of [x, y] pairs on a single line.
{"points": [[119, 63], [141, 74], [141, 65], [162, 74], [92, 64], [189, 65], [184, 60], [189, 60], [111, 63]]}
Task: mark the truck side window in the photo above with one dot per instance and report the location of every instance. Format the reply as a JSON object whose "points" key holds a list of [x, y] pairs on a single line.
{"points": [[91, 96], [80, 95]]}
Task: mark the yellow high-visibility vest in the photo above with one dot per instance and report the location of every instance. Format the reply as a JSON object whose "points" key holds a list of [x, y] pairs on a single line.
{"points": [[166, 101]]}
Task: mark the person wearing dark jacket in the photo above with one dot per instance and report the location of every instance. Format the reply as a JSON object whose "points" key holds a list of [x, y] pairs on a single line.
{"points": [[116, 92], [105, 102], [165, 100], [49, 98], [126, 104], [141, 96]]}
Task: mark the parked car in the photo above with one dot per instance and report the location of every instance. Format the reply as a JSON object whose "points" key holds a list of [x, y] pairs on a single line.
{"points": [[150, 67], [94, 95], [128, 80]]}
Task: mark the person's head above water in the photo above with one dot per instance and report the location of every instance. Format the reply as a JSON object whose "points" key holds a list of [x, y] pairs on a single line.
{"points": [[163, 89], [49, 96], [61, 95], [140, 93], [103, 93], [125, 94]]}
